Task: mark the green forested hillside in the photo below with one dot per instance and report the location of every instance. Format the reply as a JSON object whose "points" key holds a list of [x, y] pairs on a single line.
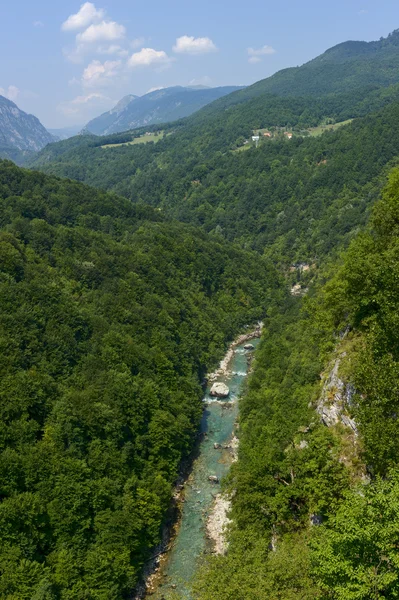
{"points": [[292, 468], [294, 198], [349, 80], [211, 131], [110, 317], [343, 68]]}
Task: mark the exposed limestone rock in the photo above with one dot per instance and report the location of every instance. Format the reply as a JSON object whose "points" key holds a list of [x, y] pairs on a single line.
{"points": [[217, 523], [274, 540], [336, 399], [219, 390], [349, 423]]}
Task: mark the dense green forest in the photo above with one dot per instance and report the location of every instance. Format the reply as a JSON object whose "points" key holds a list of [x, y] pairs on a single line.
{"points": [[110, 317], [292, 468], [294, 199]]}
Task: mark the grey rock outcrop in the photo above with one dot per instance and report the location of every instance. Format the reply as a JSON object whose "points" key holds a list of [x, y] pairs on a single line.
{"points": [[213, 478], [336, 399], [21, 131], [219, 390]]}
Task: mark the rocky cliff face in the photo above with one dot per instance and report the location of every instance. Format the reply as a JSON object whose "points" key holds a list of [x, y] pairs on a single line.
{"points": [[20, 131], [335, 401]]}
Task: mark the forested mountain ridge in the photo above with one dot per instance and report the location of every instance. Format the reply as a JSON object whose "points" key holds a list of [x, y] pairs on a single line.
{"points": [[197, 174], [343, 68], [159, 106], [293, 198], [110, 317], [20, 132]]}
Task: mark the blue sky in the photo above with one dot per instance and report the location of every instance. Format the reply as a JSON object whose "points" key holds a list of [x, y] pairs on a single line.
{"points": [[68, 61]]}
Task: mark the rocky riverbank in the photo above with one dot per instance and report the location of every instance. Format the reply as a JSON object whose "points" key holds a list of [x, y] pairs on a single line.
{"points": [[224, 367], [218, 520], [196, 494]]}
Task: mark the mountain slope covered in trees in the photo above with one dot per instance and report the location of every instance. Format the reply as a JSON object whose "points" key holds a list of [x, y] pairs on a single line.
{"points": [[294, 198], [110, 318], [303, 194]]}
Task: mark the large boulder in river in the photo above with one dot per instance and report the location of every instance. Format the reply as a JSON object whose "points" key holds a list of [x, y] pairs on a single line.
{"points": [[219, 390], [249, 347]]}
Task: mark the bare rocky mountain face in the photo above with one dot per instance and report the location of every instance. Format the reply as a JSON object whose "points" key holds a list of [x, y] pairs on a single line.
{"points": [[20, 131]]}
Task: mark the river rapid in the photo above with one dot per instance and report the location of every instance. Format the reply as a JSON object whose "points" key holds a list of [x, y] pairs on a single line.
{"points": [[198, 522]]}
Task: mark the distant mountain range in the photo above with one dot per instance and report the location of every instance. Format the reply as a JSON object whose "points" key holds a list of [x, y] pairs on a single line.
{"points": [[159, 106], [20, 133], [65, 132]]}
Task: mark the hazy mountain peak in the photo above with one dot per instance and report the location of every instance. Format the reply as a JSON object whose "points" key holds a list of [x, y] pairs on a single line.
{"points": [[157, 106], [121, 105]]}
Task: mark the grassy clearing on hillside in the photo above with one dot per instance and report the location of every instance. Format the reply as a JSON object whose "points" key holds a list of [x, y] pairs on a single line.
{"points": [[245, 147], [315, 131], [144, 139]]}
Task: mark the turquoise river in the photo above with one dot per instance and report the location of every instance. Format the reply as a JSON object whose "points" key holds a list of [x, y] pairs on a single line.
{"points": [[217, 428]]}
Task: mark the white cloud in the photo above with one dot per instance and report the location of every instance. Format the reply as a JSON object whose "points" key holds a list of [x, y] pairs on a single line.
{"points": [[89, 98], [106, 31], [96, 29], [38, 24], [137, 43], [12, 92], [112, 49], [190, 45], [85, 106], [148, 57], [363, 12], [98, 74], [87, 14], [256, 54]]}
